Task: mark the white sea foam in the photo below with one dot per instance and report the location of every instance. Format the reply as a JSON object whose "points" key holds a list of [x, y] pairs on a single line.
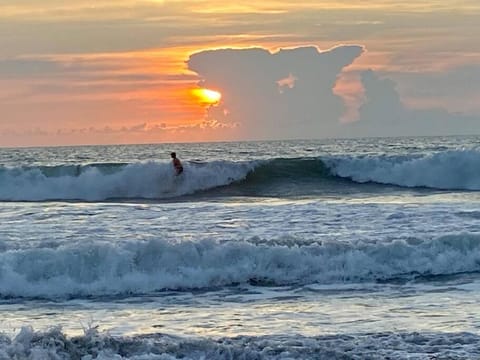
{"points": [[53, 344], [456, 169], [136, 180], [141, 267]]}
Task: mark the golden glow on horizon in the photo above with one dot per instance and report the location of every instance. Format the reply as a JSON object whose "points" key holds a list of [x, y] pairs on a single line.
{"points": [[207, 96]]}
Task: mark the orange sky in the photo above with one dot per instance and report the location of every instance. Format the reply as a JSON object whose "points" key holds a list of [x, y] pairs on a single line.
{"points": [[105, 71]]}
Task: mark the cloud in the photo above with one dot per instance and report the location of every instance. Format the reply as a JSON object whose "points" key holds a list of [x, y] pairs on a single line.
{"points": [[146, 132], [457, 88], [276, 95], [289, 94], [14, 68], [384, 114]]}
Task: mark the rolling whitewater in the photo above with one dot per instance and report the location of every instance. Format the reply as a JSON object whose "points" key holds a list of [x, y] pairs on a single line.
{"points": [[320, 249]]}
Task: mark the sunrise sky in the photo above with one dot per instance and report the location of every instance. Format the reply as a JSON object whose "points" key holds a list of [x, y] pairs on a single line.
{"points": [[125, 71]]}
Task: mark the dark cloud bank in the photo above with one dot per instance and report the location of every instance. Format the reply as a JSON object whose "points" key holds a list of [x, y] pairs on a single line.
{"points": [[289, 94]]}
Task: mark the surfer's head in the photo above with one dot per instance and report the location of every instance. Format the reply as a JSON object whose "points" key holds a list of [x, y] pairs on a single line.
{"points": [[173, 155]]}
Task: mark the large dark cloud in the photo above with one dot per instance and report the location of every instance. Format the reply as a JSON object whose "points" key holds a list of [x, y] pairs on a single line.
{"points": [[289, 94], [285, 94]]}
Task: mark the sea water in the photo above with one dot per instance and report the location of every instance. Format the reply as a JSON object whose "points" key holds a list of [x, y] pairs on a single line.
{"points": [[327, 249]]}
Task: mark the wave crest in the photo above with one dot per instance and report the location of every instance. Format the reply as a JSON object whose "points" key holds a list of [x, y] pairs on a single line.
{"points": [[96, 182], [143, 267], [449, 170]]}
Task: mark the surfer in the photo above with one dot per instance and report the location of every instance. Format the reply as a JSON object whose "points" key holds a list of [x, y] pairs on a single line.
{"points": [[176, 163]]}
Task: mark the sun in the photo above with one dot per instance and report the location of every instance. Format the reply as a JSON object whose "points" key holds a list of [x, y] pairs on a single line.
{"points": [[207, 96]]}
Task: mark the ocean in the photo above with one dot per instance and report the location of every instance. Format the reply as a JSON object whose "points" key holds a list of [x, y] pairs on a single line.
{"points": [[318, 249]]}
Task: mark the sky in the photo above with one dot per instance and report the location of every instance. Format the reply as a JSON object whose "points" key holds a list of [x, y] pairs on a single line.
{"points": [[150, 71]]}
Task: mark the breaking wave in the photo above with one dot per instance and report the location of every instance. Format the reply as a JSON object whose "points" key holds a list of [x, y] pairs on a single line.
{"points": [[450, 170], [98, 269], [95, 182]]}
